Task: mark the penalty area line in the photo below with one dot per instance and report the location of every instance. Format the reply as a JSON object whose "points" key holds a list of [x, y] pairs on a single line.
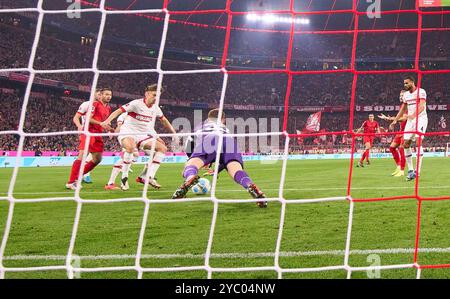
{"points": [[230, 255]]}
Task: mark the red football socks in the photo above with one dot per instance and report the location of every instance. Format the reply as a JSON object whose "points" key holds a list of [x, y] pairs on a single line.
{"points": [[76, 169], [395, 154], [402, 158]]}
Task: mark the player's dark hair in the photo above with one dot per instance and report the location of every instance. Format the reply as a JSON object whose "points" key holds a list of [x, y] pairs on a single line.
{"points": [[106, 89], [411, 78], [98, 89], [214, 114]]}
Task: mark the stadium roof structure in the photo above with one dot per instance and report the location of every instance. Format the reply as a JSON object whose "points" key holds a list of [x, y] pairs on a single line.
{"points": [[323, 15]]}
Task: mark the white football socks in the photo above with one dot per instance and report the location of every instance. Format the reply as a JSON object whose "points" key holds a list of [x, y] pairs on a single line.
{"points": [[408, 156], [117, 168], [419, 167], [127, 160], [156, 163]]}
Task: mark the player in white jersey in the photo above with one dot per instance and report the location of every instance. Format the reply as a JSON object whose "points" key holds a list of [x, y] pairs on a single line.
{"points": [[117, 167], [142, 114], [410, 97], [79, 120]]}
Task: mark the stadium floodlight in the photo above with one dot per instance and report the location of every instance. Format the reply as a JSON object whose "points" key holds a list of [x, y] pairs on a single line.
{"points": [[271, 18]]}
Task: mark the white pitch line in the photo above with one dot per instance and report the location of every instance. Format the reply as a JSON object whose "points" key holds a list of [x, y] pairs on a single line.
{"points": [[241, 190], [232, 255]]}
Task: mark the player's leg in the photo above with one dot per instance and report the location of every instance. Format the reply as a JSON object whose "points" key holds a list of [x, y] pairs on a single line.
{"points": [[363, 157], [365, 153], [128, 144], [409, 137], [97, 156], [393, 148], [419, 157], [71, 184], [135, 158], [368, 148], [160, 153], [96, 159], [190, 174], [146, 146], [236, 171], [192, 166], [402, 158], [241, 177], [401, 151], [408, 157], [76, 166], [96, 152], [232, 158], [87, 177], [141, 177], [423, 123], [117, 168]]}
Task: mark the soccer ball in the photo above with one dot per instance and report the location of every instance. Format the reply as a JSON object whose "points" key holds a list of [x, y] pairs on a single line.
{"points": [[202, 187]]}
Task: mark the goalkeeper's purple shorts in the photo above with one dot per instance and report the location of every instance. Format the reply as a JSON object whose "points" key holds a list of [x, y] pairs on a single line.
{"points": [[206, 150]]}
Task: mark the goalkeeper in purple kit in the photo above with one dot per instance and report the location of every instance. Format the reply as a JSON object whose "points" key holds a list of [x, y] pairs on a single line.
{"points": [[205, 152]]}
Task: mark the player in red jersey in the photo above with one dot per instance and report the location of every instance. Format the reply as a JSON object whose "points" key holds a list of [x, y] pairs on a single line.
{"points": [[396, 147], [370, 126], [100, 111], [78, 120]]}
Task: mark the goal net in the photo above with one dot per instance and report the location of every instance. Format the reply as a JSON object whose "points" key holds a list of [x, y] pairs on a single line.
{"points": [[294, 14]]}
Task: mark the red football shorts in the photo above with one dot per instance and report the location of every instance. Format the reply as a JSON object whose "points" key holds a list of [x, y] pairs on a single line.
{"points": [[398, 139], [368, 139], [95, 144]]}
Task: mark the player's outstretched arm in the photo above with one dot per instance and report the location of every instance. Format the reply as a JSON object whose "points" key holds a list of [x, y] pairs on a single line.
{"points": [[391, 118], [360, 129], [77, 122], [117, 130], [403, 118], [166, 123], [400, 113], [385, 117], [107, 123]]}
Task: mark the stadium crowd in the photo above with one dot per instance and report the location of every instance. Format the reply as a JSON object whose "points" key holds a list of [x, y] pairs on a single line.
{"points": [[54, 113], [133, 47]]}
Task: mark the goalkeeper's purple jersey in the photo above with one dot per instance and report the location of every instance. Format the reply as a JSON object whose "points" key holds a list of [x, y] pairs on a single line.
{"points": [[209, 126], [207, 143]]}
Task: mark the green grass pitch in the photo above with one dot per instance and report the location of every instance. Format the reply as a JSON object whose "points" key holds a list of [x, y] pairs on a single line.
{"points": [[314, 234]]}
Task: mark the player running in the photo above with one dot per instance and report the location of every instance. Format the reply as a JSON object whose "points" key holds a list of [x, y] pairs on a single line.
{"points": [[204, 153], [117, 167], [396, 147], [410, 98], [141, 114], [370, 126], [78, 120], [100, 111]]}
